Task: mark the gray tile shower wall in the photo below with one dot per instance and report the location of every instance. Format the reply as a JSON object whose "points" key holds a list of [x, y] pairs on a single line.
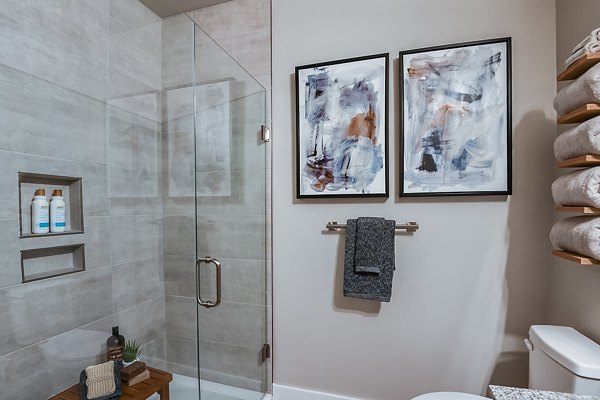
{"points": [[80, 85]]}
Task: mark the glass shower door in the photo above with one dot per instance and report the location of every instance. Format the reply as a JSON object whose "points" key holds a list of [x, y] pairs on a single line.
{"points": [[231, 225]]}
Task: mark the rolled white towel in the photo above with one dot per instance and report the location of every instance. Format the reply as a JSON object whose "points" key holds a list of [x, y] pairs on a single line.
{"points": [[590, 47], [578, 235], [579, 188], [594, 36], [583, 90], [583, 139]]}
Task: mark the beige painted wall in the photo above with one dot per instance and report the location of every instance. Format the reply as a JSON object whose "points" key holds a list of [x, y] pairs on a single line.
{"points": [[470, 282], [574, 298]]}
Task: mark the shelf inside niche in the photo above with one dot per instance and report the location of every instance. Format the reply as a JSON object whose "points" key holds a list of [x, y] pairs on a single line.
{"points": [[72, 192], [579, 259], [590, 160], [49, 262], [579, 67], [580, 114], [578, 209]]}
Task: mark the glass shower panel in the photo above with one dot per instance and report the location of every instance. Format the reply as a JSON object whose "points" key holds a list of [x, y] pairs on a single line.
{"points": [[231, 224], [179, 203]]}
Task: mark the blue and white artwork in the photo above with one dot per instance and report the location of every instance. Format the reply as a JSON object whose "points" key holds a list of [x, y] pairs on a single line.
{"points": [[342, 127], [456, 119]]}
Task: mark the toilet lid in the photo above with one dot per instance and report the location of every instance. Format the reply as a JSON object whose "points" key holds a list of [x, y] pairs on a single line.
{"points": [[449, 396]]}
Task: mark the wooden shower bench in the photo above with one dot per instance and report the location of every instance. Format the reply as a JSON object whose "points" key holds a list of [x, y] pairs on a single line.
{"points": [[157, 383]]}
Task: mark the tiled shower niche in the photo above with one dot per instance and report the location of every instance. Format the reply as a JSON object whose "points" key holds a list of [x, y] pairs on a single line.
{"points": [[71, 188], [48, 262]]}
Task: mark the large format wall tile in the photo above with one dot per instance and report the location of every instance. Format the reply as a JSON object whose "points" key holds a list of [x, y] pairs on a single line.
{"points": [[246, 189], [134, 49], [94, 181], [178, 170], [53, 364], [236, 324], [97, 242], [181, 316], [134, 155], [232, 236], [178, 51], [182, 351], [178, 109], [145, 105], [232, 365], [179, 233], [242, 281], [63, 43], [47, 120], [180, 275], [247, 149], [222, 363], [242, 28], [39, 310], [145, 323], [137, 282], [135, 238], [10, 256]]}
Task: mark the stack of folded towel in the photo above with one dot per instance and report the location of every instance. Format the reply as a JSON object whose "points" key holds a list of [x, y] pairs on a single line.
{"points": [[578, 234], [591, 44], [582, 187]]}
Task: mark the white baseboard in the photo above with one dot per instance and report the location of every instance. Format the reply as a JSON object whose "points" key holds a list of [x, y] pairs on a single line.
{"points": [[281, 392]]}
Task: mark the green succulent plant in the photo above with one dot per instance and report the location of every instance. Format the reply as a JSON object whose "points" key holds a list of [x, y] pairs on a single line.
{"points": [[131, 351]]}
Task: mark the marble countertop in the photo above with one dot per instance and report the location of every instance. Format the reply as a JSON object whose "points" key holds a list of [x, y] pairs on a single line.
{"points": [[512, 393]]}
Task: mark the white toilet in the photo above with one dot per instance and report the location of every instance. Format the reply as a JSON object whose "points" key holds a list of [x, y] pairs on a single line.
{"points": [[560, 360]]}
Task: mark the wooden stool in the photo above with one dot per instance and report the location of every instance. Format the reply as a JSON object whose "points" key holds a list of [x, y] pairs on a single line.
{"points": [[157, 383]]}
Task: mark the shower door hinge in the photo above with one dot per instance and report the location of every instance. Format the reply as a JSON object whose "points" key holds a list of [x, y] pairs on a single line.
{"points": [[265, 352], [265, 134]]}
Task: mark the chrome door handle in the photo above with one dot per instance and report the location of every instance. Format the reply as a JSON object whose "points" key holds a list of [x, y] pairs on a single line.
{"points": [[217, 264]]}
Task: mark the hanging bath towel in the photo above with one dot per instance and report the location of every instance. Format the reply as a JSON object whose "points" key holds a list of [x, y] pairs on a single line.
{"points": [[369, 285]]}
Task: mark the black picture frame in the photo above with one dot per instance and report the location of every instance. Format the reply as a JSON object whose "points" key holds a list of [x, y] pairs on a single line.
{"points": [[347, 103], [453, 99]]}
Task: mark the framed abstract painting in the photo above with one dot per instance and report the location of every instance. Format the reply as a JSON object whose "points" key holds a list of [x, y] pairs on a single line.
{"points": [[342, 128], [456, 135]]}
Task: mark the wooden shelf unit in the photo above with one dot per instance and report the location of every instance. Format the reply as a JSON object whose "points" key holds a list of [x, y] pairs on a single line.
{"points": [[580, 114], [576, 116], [579, 67], [590, 160]]}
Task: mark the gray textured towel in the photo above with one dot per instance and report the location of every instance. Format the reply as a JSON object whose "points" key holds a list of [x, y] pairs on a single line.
{"points": [[583, 90], [370, 233], [578, 188], [578, 235], [578, 141], [366, 285]]}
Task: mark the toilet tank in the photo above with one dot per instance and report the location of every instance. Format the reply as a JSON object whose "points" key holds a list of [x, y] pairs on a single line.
{"points": [[563, 360]]}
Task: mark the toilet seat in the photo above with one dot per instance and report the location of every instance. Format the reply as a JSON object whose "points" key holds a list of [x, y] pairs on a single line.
{"points": [[449, 396]]}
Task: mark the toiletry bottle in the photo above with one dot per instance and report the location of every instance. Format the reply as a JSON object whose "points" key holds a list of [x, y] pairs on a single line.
{"points": [[39, 212], [57, 212], [115, 345]]}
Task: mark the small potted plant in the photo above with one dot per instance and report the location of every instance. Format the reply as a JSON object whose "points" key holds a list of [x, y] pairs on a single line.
{"points": [[131, 352]]}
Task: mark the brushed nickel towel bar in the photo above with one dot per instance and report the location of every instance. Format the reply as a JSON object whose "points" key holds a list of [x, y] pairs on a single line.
{"points": [[409, 226]]}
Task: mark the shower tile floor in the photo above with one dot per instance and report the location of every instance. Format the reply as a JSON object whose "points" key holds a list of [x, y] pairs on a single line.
{"points": [[186, 388]]}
